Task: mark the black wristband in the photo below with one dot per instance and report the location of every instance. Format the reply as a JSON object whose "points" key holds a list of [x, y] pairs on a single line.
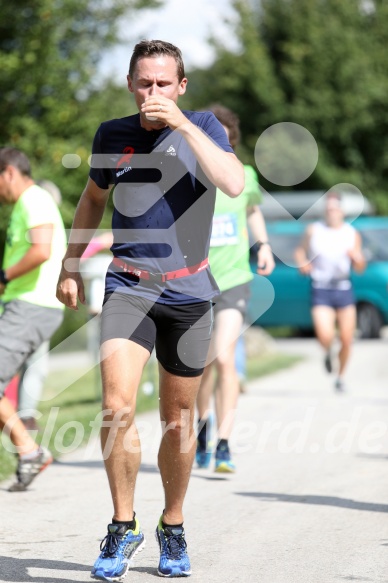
{"points": [[3, 278], [260, 243]]}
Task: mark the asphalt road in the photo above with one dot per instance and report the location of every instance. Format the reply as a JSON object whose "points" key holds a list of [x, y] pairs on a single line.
{"points": [[309, 501]]}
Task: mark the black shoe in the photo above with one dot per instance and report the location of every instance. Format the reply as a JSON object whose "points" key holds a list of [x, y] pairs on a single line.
{"points": [[28, 469], [328, 363]]}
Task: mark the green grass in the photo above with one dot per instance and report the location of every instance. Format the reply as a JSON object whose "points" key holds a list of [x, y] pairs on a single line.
{"points": [[70, 406], [7, 461], [268, 364]]}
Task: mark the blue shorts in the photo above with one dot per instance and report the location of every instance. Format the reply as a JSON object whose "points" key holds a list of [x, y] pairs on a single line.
{"points": [[335, 298]]}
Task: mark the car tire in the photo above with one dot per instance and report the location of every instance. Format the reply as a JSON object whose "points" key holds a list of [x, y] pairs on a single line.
{"points": [[369, 321]]}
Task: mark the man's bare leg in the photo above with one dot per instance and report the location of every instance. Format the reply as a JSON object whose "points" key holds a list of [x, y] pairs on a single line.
{"points": [[177, 448], [15, 429], [122, 364], [32, 458]]}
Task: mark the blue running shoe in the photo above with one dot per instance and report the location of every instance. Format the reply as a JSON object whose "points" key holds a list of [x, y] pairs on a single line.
{"points": [[174, 560], [202, 457], [117, 549], [224, 463]]}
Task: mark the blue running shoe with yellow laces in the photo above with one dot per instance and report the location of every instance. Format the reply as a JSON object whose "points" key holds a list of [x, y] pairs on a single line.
{"points": [[174, 560], [117, 549], [224, 463]]}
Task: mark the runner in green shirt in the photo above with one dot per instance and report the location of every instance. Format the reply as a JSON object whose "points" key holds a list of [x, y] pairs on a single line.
{"points": [[229, 264], [35, 243], [229, 244], [33, 208]]}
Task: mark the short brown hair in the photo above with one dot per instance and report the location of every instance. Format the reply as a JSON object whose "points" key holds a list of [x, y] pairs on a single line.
{"points": [[155, 48], [13, 157], [228, 119]]}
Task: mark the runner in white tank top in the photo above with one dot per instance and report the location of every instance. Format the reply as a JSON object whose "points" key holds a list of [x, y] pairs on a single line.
{"points": [[327, 253]]}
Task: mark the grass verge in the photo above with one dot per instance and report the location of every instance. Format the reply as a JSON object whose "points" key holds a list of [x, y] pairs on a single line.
{"points": [[269, 363], [70, 409]]}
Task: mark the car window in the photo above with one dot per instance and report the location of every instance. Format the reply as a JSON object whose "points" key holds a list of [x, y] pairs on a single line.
{"points": [[375, 244]]}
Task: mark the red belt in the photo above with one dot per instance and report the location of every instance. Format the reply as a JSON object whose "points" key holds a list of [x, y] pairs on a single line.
{"points": [[160, 277]]}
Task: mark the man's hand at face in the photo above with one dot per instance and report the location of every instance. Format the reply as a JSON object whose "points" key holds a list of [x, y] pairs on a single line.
{"points": [[163, 111]]}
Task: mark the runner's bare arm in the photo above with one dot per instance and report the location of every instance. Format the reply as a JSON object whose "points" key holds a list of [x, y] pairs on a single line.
{"points": [[39, 252], [256, 223], [301, 253], [357, 256], [87, 217], [222, 168]]}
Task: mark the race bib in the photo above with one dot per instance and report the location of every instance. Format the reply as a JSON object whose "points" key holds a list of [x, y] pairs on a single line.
{"points": [[224, 230]]}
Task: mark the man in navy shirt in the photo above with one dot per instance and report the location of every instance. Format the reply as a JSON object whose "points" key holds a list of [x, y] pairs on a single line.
{"points": [[165, 165]]}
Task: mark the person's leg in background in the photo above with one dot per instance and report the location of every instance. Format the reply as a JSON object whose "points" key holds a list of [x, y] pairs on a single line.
{"points": [[227, 327], [241, 364], [324, 321], [228, 323], [205, 416], [16, 431], [31, 382], [346, 319], [23, 325]]}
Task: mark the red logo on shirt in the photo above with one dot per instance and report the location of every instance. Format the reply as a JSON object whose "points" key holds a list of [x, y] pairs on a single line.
{"points": [[128, 153]]}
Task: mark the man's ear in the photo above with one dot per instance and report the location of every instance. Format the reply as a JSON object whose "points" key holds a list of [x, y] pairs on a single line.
{"points": [[182, 86], [129, 82], [10, 172]]}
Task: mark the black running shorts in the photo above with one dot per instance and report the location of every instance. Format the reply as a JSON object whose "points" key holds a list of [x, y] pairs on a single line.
{"points": [[235, 298], [180, 333]]}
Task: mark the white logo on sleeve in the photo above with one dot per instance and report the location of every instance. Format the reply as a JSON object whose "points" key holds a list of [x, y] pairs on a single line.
{"points": [[171, 151]]}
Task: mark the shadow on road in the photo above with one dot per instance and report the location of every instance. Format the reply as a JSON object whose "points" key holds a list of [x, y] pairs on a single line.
{"points": [[16, 570], [317, 500]]}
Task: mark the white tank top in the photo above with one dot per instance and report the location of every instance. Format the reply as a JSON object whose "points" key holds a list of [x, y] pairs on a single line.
{"points": [[329, 254]]}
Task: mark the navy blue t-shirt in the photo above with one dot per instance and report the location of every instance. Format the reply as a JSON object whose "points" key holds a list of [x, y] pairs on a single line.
{"points": [[163, 203]]}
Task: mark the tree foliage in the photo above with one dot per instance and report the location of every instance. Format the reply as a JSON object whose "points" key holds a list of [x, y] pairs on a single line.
{"points": [[319, 63], [51, 97]]}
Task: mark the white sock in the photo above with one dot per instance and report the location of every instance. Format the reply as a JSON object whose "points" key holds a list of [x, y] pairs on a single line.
{"points": [[32, 455]]}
